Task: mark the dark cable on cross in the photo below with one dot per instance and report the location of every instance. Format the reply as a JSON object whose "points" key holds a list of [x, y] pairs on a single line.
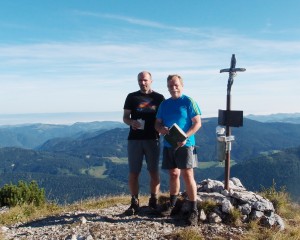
{"points": [[228, 118]]}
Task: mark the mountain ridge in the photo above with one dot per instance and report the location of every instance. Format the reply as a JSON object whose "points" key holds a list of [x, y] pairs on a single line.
{"points": [[277, 117], [90, 160]]}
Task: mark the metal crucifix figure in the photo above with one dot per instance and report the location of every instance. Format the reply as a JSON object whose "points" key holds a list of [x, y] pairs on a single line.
{"points": [[232, 73], [230, 118]]}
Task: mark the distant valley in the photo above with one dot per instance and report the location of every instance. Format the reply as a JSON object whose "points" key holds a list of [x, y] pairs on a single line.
{"points": [[73, 162]]}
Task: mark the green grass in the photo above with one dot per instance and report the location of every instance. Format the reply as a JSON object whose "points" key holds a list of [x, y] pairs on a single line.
{"points": [[97, 172], [117, 160], [265, 153], [214, 164]]}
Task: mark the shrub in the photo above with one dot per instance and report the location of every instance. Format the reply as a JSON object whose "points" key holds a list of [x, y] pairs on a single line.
{"points": [[208, 206], [234, 217], [22, 193], [280, 199]]}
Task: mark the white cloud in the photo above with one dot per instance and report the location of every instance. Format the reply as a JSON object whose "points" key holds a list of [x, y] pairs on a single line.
{"points": [[85, 76], [203, 32]]}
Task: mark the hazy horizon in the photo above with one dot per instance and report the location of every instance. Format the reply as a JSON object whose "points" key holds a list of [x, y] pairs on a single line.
{"points": [[59, 118], [67, 118]]}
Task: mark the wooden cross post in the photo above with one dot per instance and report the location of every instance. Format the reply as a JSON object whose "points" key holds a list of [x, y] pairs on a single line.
{"points": [[230, 118]]}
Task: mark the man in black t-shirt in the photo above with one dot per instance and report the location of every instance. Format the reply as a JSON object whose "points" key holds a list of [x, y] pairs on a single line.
{"points": [[143, 140]]}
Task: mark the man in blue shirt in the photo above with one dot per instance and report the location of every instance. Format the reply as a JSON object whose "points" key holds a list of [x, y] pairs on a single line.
{"points": [[183, 111]]}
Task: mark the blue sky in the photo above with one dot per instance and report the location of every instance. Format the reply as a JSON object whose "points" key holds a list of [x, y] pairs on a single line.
{"points": [[83, 56]]}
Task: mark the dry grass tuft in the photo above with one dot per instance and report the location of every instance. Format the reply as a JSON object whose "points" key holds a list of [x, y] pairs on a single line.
{"points": [[188, 234], [289, 211]]}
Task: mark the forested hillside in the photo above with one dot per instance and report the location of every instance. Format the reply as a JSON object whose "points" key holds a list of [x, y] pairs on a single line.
{"points": [[93, 161], [251, 140], [67, 178], [33, 135], [281, 168], [111, 143]]}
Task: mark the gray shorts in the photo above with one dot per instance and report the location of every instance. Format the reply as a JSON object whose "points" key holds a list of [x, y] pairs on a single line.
{"points": [[137, 149], [182, 158]]}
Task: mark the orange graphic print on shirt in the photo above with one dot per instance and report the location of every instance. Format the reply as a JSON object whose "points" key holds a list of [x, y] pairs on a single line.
{"points": [[146, 106]]}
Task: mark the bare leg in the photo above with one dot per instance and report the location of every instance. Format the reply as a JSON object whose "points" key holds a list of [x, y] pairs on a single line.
{"points": [[134, 183], [154, 182], [174, 181], [190, 183]]}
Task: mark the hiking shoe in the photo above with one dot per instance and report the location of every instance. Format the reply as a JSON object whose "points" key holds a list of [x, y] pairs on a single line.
{"points": [[192, 218], [134, 207], [152, 203], [166, 210]]}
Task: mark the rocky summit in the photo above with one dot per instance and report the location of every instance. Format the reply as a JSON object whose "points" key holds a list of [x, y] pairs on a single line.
{"points": [[111, 223], [251, 205]]}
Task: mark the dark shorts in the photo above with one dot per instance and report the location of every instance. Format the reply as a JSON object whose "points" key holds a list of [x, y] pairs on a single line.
{"points": [[182, 158], [138, 149]]}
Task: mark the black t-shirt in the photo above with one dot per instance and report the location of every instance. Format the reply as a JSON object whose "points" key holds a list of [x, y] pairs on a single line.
{"points": [[143, 106]]}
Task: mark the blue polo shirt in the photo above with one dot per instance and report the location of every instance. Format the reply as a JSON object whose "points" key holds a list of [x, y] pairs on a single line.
{"points": [[179, 111]]}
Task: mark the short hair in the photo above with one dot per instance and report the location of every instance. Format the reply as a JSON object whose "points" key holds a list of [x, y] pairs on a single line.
{"points": [[175, 75], [142, 73]]}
